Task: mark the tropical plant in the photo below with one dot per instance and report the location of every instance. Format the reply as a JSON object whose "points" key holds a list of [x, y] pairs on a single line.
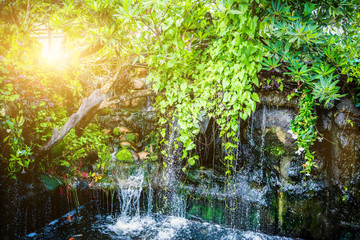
{"points": [[316, 43]]}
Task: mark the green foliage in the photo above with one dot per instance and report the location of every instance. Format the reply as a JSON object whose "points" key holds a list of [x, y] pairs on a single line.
{"points": [[203, 55], [314, 43], [124, 155], [304, 131], [51, 182], [19, 153], [30, 110], [131, 137], [206, 68], [78, 148], [276, 150], [116, 131], [326, 90]]}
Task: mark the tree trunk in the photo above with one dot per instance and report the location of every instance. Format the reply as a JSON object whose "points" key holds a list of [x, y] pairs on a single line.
{"points": [[88, 108]]}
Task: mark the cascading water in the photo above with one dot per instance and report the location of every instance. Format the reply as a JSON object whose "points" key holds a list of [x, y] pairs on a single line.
{"points": [[238, 146], [178, 206], [129, 194], [251, 137], [263, 129], [149, 199]]}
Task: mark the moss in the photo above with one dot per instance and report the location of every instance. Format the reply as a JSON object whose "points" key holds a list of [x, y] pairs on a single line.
{"points": [[219, 215], [208, 212], [193, 176], [124, 155], [276, 150], [254, 217], [281, 209], [59, 149], [131, 137], [116, 131], [195, 210], [105, 111]]}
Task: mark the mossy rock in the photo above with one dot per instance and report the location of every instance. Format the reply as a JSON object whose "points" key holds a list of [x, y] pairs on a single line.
{"points": [[131, 137], [125, 156], [116, 131], [276, 150]]}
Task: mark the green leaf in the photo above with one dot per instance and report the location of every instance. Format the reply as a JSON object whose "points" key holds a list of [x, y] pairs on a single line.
{"points": [[255, 97], [235, 12], [51, 183]]}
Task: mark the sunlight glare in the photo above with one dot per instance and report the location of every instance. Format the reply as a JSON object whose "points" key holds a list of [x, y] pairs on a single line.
{"points": [[54, 51]]}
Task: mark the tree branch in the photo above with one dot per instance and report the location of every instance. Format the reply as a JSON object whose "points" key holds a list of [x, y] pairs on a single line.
{"points": [[88, 108], [87, 105]]}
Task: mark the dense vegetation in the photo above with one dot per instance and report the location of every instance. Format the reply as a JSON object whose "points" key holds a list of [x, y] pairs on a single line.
{"points": [[206, 59]]}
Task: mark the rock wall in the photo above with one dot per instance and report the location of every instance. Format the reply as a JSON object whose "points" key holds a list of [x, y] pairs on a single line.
{"points": [[131, 123], [268, 192]]}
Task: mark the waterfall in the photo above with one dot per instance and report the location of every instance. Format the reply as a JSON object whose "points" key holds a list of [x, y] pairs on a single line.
{"points": [[263, 131], [178, 206], [129, 194], [238, 145], [150, 199], [251, 137], [129, 197], [173, 154]]}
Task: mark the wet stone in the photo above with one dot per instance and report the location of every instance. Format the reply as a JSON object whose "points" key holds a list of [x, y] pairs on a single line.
{"points": [[123, 129], [340, 120], [127, 145], [293, 171], [344, 140], [274, 118], [326, 123], [150, 116], [143, 155], [346, 105], [126, 104]]}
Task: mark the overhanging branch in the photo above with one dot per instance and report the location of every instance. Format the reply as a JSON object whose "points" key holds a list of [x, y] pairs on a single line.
{"points": [[88, 108]]}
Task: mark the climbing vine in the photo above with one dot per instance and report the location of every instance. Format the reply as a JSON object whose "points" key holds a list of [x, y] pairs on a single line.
{"points": [[304, 131]]}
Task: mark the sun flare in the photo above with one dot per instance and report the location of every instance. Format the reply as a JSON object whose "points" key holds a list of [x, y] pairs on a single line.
{"points": [[54, 50]]}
